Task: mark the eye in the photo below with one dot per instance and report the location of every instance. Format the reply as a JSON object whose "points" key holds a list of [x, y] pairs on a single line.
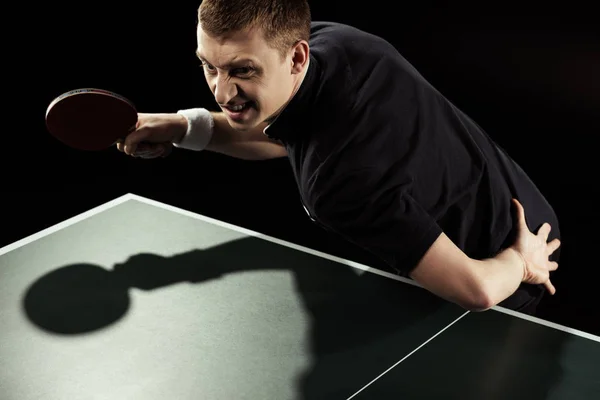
{"points": [[243, 71], [208, 67]]}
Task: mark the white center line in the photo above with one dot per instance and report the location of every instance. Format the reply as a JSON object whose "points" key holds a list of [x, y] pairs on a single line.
{"points": [[408, 355]]}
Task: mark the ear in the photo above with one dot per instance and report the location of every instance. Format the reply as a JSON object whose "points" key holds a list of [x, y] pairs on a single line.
{"points": [[300, 56]]}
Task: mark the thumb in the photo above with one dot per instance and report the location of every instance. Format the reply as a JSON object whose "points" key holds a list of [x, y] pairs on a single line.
{"points": [[520, 214]]}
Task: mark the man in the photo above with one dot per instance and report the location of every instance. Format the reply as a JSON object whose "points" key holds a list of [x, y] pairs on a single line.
{"points": [[380, 156]]}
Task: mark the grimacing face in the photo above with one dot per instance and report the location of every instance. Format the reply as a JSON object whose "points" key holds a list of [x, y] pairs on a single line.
{"points": [[251, 82]]}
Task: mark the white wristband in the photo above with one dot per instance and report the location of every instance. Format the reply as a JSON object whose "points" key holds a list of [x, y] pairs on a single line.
{"points": [[200, 124]]}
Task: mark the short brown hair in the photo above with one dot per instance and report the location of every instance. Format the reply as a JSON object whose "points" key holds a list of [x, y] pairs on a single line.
{"points": [[284, 22]]}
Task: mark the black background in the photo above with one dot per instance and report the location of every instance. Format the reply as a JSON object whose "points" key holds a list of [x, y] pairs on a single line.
{"points": [[530, 75]]}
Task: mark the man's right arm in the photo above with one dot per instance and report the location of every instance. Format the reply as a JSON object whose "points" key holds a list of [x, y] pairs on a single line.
{"points": [[481, 284], [250, 144]]}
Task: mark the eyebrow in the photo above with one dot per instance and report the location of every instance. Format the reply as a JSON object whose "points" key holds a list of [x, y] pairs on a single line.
{"points": [[234, 63]]}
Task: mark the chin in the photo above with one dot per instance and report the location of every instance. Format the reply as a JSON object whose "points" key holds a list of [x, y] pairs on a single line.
{"points": [[242, 126]]}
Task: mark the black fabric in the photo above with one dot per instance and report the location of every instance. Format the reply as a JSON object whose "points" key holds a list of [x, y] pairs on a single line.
{"points": [[385, 160]]}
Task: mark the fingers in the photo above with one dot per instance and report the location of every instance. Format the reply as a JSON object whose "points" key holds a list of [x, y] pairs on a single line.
{"points": [[167, 151], [520, 214], [145, 150], [552, 266], [552, 246], [148, 151], [133, 140], [550, 287], [138, 134], [129, 143], [128, 149], [544, 231]]}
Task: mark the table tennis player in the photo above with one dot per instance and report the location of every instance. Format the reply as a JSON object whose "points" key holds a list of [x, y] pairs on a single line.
{"points": [[381, 157]]}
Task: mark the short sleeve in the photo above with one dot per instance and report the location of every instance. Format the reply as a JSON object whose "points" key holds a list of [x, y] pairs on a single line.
{"points": [[377, 214]]}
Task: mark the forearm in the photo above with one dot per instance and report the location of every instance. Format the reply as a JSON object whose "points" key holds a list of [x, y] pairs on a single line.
{"points": [[250, 145], [211, 131], [500, 276]]}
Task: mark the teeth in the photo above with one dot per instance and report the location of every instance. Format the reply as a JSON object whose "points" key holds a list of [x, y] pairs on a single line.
{"points": [[237, 108]]}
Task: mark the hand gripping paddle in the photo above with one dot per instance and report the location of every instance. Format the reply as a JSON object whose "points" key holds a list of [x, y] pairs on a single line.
{"points": [[90, 119]]}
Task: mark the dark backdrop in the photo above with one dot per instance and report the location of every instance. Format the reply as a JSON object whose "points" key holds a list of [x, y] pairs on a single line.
{"points": [[529, 76]]}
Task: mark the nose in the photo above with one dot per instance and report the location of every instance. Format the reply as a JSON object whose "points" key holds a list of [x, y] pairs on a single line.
{"points": [[224, 90]]}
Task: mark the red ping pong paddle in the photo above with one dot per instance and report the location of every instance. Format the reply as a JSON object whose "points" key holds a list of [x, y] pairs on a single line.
{"points": [[90, 119]]}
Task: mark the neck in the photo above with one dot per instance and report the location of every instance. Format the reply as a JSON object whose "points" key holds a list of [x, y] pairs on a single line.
{"points": [[299, 82]]}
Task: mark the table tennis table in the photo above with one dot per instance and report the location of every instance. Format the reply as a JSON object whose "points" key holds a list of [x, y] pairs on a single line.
{"points": [[139, 300]]}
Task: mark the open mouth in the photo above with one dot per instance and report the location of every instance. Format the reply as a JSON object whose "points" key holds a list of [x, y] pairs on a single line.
{"points": [[238, 111], [239, 107]]}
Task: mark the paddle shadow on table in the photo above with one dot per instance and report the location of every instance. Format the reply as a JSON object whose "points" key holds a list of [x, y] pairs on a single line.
{"points": [[361, 323]]}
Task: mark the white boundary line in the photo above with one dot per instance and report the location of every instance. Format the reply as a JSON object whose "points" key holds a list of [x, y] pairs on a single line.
{"points": [[548, 323], [408, 355], [131, 196], [63, 224]]}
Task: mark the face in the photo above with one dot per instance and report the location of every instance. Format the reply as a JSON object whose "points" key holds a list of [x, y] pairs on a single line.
{"points": [[251, 82]]}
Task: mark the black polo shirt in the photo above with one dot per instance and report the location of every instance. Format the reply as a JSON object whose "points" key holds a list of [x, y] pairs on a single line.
{"points": [[386, 161]]}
